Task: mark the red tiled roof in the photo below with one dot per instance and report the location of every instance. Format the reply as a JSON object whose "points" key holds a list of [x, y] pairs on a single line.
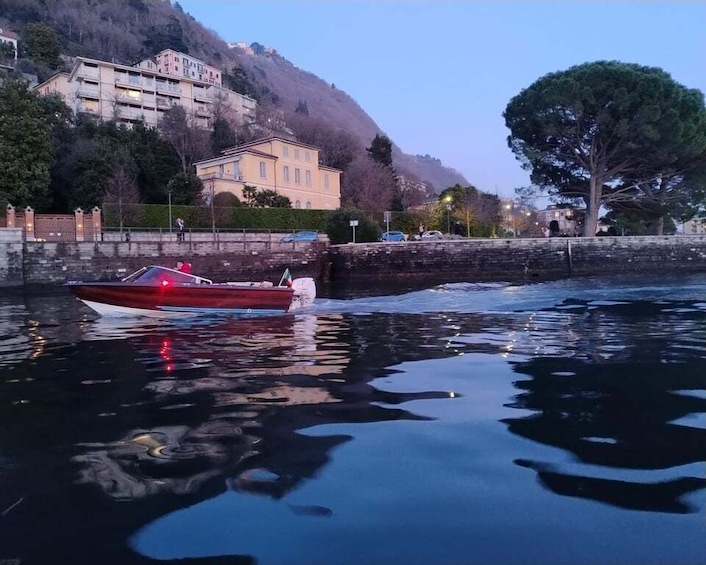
{"points": [[9, 34]]}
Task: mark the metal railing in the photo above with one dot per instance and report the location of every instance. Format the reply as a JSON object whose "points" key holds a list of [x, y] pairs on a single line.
{"points": [[247, 237]]}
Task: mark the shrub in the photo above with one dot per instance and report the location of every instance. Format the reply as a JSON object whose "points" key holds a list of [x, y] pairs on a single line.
{"points": [[339, 229]]}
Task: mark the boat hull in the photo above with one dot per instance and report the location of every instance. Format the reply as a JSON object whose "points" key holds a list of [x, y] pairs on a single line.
{"points": [[131, 299]]}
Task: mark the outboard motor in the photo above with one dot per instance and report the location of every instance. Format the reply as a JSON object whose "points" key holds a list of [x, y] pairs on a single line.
{"points": [[304, 292]]}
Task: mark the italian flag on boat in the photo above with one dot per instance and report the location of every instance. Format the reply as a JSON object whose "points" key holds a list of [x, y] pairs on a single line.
{"points": [[286, 278]]}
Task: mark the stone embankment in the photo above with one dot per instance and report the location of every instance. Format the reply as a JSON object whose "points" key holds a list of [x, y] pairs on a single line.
{"points": [[42, 263], [518, 259]]}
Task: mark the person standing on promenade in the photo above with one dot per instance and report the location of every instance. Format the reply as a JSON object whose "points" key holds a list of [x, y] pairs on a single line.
{"points": [[180, 229]]}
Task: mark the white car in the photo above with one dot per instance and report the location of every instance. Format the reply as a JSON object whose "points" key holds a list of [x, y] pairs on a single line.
{"points": [[432, 234]]}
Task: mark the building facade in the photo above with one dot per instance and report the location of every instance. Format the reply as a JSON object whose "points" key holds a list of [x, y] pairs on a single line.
{"points": [[128, 94], [290, 168], [170, 62], [695, 226]]}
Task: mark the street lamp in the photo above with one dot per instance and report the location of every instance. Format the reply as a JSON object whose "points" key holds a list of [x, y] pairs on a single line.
{"points": [[448, 215], [169, 195]]}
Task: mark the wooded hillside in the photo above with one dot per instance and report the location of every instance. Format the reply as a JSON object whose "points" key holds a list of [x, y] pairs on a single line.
{"points": [[127, 31]]}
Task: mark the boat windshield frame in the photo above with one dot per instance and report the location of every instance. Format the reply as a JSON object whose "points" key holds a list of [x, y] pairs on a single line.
{"points": [[156, 273]]}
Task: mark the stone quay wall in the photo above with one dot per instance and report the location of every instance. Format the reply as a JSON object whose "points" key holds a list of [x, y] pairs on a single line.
{"points": [[516, 259], [36, 264], [28, 264]]}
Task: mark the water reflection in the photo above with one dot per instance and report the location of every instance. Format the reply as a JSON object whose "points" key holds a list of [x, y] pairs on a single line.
{"points": [[129, 422], [245, 387], [623, 399]]}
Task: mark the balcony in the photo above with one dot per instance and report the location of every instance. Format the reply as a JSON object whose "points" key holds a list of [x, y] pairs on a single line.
{"points": [[171, 89], [89, 91], [89, 72], [238, 177], [125, 97]]}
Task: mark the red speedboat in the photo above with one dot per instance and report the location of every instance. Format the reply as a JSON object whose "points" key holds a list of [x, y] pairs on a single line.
{"points": [[160, 291]]}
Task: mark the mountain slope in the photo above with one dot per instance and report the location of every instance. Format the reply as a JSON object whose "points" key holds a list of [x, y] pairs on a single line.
{"points": [[324, 101], [126, 31]]}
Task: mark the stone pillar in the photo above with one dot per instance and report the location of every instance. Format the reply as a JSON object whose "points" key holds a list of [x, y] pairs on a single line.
{"points": [[10, 216], [97, 224], [29, 223], [78, 219]]}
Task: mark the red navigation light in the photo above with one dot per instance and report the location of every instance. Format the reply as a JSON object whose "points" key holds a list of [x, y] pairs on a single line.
{"points": [[165, 282]]}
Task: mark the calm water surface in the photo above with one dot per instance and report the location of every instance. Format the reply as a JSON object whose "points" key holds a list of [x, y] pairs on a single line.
{"points": [[554, 423]]}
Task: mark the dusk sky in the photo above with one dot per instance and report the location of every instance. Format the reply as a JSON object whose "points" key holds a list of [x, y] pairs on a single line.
{"points": [[436, 75]]}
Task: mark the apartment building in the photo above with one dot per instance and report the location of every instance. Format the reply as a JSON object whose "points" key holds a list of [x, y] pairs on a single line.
{"points": [[288, 167], [170, 62], [130, 93]]}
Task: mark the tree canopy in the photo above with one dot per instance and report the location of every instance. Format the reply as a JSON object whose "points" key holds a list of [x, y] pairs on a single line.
{"points": [[601, 132], [380, 150], [26, 146]]}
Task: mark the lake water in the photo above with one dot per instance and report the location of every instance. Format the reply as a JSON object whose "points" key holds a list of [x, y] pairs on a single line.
{"points": [[553, 423]]}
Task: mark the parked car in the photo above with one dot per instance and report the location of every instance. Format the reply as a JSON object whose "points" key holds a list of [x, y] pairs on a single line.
{"points": [[432, 234], [304, 235], [393, 236]]}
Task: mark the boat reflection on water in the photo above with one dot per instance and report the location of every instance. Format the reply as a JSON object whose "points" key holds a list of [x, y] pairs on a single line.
{"points": [[227, 398]]}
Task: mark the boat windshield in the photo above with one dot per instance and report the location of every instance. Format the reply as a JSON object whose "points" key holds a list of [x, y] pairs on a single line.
{"points": [[156, 274]]}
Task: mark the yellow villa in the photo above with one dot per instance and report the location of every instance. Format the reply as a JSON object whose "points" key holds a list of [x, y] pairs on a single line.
{"points": [[288, 167]]}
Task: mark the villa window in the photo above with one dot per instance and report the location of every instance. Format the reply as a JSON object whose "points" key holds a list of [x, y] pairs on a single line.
{"points": [[308, 178], [285, 151], [263, 170], [296, 154], [308, 205], [285, 173], [298, 204], [307, 157], [326, 181], [297, 176]]}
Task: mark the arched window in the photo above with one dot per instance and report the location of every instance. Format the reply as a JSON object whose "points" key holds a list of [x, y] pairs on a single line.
{"points": [[308, 205], [297, 204]]}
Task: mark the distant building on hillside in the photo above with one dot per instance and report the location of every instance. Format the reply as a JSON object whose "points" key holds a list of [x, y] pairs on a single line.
{"points": [[170, 62], [242, 46], [695, 226], [290, 168], [128, 94], [8, 37]]}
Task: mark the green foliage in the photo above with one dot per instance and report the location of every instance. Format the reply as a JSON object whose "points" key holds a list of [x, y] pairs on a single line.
{"points": [[185, 188], [339, 229], [406, 222], [302, 108], [169, 36], [380, 150], [586, 131], [631, 222], [266, 198], [85, 157], [239, 81], [26, 146], [199, 217], [258, 48], [42, 44], [7, 53], [226, 200], [223, 135]]}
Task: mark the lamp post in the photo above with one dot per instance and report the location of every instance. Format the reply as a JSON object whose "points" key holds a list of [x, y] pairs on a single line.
{"points": [[169, 196], [448, 214], [213, 215]]}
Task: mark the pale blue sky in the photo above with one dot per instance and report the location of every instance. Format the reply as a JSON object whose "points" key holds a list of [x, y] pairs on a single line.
{"points": [[436, 75]]}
